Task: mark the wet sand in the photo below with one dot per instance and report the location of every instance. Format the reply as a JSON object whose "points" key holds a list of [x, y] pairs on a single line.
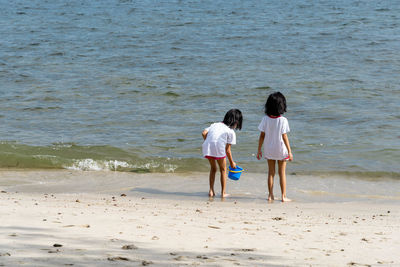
{"points": [[63, 218]]}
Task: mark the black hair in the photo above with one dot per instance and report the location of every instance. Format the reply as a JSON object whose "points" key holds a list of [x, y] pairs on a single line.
{"points": [[276, 104], [233, 118]]}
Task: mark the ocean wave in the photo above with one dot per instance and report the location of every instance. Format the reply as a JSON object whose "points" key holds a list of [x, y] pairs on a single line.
{"points": [[116, 165], [71, 156], [84, 158], [96, 165]]}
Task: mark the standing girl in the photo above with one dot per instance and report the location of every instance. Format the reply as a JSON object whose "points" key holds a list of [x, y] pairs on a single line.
{"points": [[274, 128], [218, 139]]}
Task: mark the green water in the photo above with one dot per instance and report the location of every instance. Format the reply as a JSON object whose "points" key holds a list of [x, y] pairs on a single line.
{"points": [[130, 85]]}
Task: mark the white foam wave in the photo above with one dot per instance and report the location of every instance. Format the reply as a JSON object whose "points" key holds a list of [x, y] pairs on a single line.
{"points": [[115, 165], [96, 165]]}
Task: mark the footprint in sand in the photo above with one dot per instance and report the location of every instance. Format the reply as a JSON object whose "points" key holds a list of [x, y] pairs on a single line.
{"points": [[5, 254], [128, 247], [180, 258], [118, 258], [73, 225], [202, 257], [246, 249]]}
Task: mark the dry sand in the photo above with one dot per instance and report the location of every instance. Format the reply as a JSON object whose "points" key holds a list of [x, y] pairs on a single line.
{"points": [[46, 223]]}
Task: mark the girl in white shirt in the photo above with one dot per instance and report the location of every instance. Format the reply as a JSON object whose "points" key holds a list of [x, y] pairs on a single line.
{"points": [[218, 139], [274, 128]]}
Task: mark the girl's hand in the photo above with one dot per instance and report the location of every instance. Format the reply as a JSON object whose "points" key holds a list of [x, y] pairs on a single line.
{"points": [[233, 165], [259, 155], [290, 157]]}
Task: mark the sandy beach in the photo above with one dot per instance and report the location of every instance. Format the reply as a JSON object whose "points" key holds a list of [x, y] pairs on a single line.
{"points": [[102, 109], [125, 219]]}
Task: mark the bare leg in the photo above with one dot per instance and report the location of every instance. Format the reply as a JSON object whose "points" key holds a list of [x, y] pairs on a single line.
{"points": [[271, 174], [222, 169], [282, 179], [213, 170]]}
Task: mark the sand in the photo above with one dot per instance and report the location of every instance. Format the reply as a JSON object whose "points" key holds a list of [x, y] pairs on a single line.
{"points": [[108, 219]]}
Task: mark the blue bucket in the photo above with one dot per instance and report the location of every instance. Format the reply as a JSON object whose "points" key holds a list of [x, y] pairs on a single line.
{"points": [[234, 174]]}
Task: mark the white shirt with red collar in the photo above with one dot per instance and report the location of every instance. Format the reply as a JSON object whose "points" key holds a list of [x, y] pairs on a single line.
{"points": [[274, 127]]}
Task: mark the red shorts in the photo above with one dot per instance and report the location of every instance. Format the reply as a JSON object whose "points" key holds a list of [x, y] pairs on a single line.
{"points": [[211, 157]]}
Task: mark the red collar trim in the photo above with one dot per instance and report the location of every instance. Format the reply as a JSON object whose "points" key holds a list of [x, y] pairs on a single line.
{"points": [[273, 117]]}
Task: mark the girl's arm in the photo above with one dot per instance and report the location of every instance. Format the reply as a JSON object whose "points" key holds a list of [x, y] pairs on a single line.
{"points": [[286, 141], [229, 155], [260, 143], [204, 134]]}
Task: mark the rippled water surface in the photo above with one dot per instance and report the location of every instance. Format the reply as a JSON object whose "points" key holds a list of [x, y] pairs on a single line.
{"points": [[131, 84]]}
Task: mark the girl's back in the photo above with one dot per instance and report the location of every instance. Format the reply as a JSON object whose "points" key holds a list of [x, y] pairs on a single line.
{"points": [[274, 127], [218, 136]]}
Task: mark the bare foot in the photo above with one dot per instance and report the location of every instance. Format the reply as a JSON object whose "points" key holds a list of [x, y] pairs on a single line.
{"points": [[285, 199], [211, 193], [271, 198], [225, 195]]}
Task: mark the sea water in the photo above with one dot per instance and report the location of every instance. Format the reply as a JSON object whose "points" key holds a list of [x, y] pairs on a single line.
{"points": [[129, 85]]}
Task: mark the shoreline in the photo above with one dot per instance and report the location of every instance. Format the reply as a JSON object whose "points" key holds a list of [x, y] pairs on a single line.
{"points": [[252, 187], [76, 221]]}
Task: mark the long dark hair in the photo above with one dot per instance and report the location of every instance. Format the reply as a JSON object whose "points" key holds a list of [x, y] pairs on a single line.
{"points": [[233, 118], [276, 104]]}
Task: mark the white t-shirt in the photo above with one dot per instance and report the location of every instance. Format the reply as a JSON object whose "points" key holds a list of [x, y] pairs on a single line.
{"points": [[217, 137], [274, 147]]}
